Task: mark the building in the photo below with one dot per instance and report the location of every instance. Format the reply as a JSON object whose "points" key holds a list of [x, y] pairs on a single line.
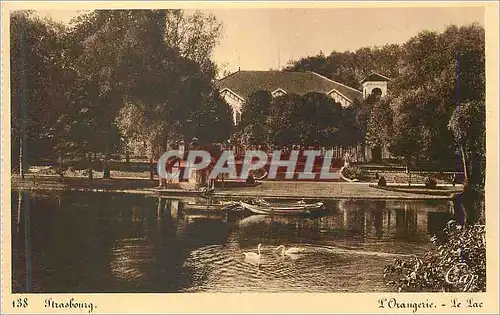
{"points": [[236, 87], [375, 83]]}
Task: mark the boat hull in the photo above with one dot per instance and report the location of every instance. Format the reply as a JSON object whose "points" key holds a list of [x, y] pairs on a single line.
{"points": [[306, 209]]}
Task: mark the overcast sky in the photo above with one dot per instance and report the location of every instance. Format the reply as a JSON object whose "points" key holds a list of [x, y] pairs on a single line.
{"points": [[260, 39]]}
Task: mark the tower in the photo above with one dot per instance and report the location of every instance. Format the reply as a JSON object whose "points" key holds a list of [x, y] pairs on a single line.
{"points": [[376, 84]]}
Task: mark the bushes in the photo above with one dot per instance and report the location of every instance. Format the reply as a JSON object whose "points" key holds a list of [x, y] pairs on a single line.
{"points": [[430, 182], [457, 265], [354, 172], [382, 182]]}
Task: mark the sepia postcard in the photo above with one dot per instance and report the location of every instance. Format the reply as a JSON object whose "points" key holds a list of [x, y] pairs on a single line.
{"points": [[249, 157]]}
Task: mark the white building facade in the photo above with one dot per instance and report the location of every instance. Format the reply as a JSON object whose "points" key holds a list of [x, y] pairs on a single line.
{"points": [[237, 87]]}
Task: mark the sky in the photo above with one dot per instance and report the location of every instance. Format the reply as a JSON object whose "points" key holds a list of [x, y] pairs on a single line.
{"points": [[263, 39]]}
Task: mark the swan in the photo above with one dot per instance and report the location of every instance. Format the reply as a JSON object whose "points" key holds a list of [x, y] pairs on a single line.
{"points": [[252, 256], [292, 252]]}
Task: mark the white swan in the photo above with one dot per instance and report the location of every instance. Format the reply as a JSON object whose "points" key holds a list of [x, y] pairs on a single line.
{"points": [[253, 257], [292, 253]]}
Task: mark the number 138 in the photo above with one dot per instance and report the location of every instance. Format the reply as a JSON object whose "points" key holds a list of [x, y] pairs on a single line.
{"points": [[20, 302]]}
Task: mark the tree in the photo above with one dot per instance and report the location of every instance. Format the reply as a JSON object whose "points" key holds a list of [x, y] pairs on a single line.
{"points": [[159, 70], [170, 91], [254, 115], [361, 110], [313, 119], [101, 44], [408, 139], [318, 120], [81, 128], [429, 68], [380, 124], [37, 85], [193, 36], [468, 127], [350, 133], [281, 126], [440, 69]]}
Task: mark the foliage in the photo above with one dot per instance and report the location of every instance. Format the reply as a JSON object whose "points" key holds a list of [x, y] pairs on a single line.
{"points": [[432, 73], [318, 120], [213, 118], [37, 84], [458, 264], [350, 133], [254, 115], [193, 36], [354, 172], [467, 124], [427, 89], [313, 119], [351, 67], [408, 135], [113, 77], [380, 124], [282, 116], [430, 182]]}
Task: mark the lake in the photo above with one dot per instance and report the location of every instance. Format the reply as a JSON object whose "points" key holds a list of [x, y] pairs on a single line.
{"points": [[111, 242]]}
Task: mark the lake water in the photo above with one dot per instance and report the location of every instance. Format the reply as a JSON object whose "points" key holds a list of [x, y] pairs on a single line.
{"points": [[107, 242]]}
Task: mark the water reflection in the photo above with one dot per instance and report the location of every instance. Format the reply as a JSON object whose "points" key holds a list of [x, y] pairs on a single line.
{"points": [[103, 242]]}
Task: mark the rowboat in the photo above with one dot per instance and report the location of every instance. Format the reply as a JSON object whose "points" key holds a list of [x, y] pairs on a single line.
{"points": [[211, 207], [301, 208]]}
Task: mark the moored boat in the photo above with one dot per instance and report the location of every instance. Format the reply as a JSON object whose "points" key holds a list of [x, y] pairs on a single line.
{"points": [[301, 208], [211, 207]]}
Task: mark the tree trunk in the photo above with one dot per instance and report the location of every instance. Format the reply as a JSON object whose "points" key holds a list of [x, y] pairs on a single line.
{"points": [[24, 105], [27, 243], [151, 165], [363, 151], [409, 173], [464, 164], [127, 157], [91, 167], [162, 180], [106, 169], [20, 196], [21, 157]]}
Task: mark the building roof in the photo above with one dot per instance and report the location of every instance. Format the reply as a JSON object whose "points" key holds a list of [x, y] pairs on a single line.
{"points": [[375, 77], [244, 83]]}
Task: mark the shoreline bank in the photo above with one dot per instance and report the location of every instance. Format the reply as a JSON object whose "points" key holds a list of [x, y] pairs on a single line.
{"points": [[267, 189]]}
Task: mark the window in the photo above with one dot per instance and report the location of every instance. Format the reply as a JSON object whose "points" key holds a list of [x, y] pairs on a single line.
{"points": [[238, 118], [377, 92]]}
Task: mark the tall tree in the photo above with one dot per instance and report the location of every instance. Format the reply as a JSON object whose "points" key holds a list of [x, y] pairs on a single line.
{"points": [[194, 35], [37, 84], [281, 120], [318, 120], [313, 119], [468, 126], [170, 86], [254, 115], [428, 84]]}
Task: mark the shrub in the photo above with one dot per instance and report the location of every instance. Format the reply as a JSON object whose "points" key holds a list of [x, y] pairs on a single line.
{"points": [[430, 182], [382, 181], [457, 265], [354, 172]]}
